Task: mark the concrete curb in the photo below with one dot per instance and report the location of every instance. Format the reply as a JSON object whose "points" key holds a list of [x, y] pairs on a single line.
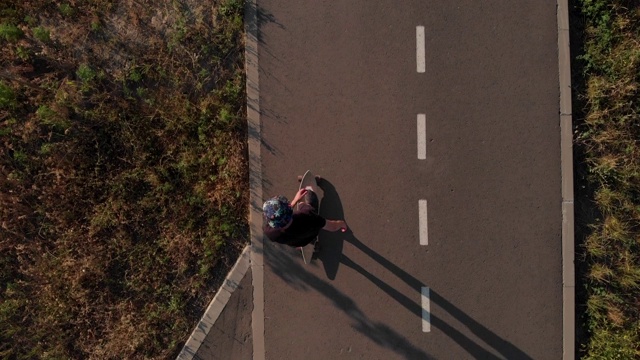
{"points": [[216, 306], [255, 176], [566, 155], [251, 255]]}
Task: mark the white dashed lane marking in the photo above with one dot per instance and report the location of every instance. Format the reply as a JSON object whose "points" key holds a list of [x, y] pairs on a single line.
{"points": [[420, 57], [426, 310], [422, 136], [422, 155], [424, 229]]}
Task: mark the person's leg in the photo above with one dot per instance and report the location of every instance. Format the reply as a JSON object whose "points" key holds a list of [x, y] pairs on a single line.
{"points": [[311, 198]]}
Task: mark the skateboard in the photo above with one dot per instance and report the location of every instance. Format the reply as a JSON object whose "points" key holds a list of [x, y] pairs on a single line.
{"points": [[310, 182]]}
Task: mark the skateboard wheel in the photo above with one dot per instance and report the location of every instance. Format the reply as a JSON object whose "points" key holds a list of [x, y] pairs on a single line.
{"points": [[299, 178]]}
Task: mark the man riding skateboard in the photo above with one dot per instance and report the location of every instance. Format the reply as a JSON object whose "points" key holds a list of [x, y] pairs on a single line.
{"points": [[298, 227]]}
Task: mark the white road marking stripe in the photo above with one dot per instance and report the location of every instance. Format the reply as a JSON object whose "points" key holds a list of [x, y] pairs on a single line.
{"points": [[424, 230], [420, 57], [426, 310], [422, 136]]}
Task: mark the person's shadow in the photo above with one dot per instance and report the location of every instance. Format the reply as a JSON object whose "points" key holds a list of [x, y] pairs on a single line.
{"points": [[331, 257], [331, 242]]}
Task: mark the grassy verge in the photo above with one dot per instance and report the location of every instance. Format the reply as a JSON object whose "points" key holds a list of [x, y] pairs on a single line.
{"points": [[122, 172], [608, 134]]}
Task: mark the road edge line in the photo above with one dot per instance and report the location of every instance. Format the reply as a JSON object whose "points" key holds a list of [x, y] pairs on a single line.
{"points": [[254, 140], [216, 306], [566, 164]]}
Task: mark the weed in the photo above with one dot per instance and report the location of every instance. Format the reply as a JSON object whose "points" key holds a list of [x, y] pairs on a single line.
{"points": [[231, 7], [225, 117], [85, 73], [95, 25], [15, 176], [10, 32], [135, 75], [20, 157], [601, 273], [51, 118], [178, 33], [23, 53], [45, 149], [66, 10], [7, 97], [629, 273], [41, 34], [141, 92]]}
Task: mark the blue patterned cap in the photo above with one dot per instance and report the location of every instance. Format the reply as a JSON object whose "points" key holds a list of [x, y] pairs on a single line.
{"points": [[277, 212]]}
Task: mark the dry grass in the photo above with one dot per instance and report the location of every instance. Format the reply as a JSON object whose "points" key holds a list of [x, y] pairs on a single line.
{"points": [[609, 136], [122, 173]]}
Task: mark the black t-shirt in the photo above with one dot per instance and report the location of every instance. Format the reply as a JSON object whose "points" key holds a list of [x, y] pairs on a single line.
{"points": [[304, 228]]}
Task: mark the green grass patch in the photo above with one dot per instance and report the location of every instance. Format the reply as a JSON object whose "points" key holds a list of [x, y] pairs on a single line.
{"points": [[123, 195]]}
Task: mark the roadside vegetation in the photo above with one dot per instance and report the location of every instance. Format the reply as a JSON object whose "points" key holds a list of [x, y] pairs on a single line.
{"points": [[608, 135], [123, 173]]}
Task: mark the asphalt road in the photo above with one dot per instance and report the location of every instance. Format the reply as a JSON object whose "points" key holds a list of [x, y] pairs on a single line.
{"points": [[339, 94]]}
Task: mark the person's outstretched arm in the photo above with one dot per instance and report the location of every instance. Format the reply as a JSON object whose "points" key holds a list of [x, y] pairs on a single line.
{"points": [[299, 195]]}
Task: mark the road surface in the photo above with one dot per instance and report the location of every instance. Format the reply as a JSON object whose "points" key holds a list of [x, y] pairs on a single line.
{"points": [[448, 178]]}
